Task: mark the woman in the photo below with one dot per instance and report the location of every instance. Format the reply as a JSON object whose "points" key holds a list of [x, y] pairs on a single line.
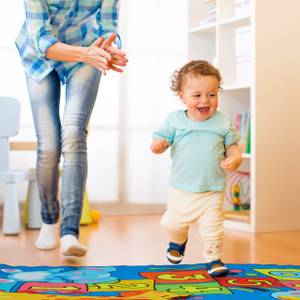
{"points": [[65, 42]]}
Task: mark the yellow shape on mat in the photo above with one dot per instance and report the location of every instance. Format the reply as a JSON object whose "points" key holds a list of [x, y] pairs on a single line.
{"points": [[123, 285]]}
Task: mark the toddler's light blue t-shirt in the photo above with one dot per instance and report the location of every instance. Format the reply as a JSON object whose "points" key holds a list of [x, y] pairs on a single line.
{"points": [[197, 149]]}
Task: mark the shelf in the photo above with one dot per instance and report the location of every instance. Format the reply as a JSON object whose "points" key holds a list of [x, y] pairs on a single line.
{"points": [[216, 41], [235, 87], [242, 47], [239, 215], [209, 28], [246, 155], [236, 225], [235, 22], [22, 146]]}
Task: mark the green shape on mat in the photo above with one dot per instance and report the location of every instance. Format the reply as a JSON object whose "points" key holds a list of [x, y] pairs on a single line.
{"points": [[194, 288]]}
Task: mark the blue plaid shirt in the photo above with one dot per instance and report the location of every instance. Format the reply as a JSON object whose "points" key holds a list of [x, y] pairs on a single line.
{"points": [[74, 22]]}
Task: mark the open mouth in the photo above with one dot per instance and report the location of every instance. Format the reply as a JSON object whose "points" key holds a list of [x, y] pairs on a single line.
{"points": [[204, 110]]}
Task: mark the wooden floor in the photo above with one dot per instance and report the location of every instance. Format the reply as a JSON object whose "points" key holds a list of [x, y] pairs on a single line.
{"points": [[137, 240]]}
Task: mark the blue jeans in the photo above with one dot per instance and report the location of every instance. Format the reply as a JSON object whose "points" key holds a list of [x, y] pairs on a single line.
{"points": [[66, 136]]}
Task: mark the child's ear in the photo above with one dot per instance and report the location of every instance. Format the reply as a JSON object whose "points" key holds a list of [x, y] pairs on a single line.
{"points": [[180, 95]]}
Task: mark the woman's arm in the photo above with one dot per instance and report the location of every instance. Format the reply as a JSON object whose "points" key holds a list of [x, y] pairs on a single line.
{"points": [[109, 16], [101, 54], [93, 55], [38, 26]]}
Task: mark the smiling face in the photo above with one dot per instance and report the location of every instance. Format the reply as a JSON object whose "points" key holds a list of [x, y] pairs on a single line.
{"points": [[200, 95]]}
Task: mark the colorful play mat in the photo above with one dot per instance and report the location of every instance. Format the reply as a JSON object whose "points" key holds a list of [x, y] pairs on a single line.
{"points": [[246, 282]]}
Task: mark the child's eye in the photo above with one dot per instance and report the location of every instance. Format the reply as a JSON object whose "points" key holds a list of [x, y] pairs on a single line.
{"points": [[211, 95], [197, 96]]}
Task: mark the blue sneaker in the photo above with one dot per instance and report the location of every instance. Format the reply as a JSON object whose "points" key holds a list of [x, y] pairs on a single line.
{"points": [[216, 268], [175, 252]]}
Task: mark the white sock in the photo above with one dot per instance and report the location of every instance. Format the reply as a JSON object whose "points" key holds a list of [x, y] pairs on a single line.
{"points": [[70, 246], [47, 237]]}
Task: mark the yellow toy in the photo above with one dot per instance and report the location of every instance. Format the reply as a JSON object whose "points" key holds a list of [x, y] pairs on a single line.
{"points": [[236, 197], [88, 215]]}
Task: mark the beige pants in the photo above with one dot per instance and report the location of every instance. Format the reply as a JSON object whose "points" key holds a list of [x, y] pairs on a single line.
{"points": [[185, 208]]}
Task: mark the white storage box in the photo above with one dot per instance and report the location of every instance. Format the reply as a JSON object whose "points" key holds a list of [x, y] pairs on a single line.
{"points": [[241, 8], [242, 41], [243, 69]]}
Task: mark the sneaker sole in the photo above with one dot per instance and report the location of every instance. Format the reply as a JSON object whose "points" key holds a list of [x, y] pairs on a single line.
{"points": [[218, 272], [174, 259]]}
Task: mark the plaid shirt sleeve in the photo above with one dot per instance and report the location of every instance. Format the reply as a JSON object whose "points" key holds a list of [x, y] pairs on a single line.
{"points": [[109, 18], [38, 26]]}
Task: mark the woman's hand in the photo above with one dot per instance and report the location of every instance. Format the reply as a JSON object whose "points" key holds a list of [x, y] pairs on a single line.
{"points": [[118, 57], [104, 56], [98, 57], [101, 54]]}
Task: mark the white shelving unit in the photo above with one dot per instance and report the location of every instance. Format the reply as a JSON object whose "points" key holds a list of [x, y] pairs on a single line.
{"points": [[240, 41], [214, 41]]}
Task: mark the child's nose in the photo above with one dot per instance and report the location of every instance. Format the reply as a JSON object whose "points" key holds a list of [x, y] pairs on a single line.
{"points": [[204, 99]]}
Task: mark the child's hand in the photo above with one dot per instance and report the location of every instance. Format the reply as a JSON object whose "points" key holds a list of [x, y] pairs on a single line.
{"points": [[159, 146], [231, 163]]}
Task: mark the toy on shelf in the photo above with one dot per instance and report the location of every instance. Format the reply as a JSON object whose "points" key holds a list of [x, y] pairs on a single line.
{"points": [[237, 190], [236, 197]]}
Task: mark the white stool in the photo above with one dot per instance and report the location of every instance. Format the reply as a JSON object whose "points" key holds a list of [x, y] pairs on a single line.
{"points": [[11, 213], [32, 213], [33, 219], [9, 126]]}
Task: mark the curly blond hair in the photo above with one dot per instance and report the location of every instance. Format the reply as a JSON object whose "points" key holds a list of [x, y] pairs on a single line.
{"points": [[194, 67]]}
